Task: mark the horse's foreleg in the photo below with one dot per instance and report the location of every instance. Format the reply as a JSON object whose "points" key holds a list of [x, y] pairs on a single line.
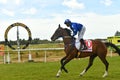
{"points": [[89, 65], [68, 59], [59, 71], [64, 62]]}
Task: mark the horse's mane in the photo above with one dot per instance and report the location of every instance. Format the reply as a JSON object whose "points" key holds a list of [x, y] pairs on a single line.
{"points": [[68, 31]]}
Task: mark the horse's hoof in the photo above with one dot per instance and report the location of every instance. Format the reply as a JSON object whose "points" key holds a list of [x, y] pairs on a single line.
{"points": [[66, 71], [81, 75], [105, 74], [57, 76]]}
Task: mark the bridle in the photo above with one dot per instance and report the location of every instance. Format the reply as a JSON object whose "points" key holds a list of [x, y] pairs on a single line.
{"points": [[67, 37]]}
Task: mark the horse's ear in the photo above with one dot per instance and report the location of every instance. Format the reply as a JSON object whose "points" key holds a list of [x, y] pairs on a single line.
{"points": [[59, 25]]}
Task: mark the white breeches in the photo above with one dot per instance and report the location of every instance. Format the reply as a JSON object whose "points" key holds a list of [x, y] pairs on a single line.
{"points": [[81, 33]]}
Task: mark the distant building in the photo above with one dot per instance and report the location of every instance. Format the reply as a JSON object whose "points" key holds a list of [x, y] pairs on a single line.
{"points": [[114, 39]]}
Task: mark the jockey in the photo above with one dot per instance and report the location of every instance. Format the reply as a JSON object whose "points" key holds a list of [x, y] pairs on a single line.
{"points": [[77, 28]]}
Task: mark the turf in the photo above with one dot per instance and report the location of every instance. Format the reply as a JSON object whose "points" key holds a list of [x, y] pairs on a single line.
{"points": [[47, 71]]}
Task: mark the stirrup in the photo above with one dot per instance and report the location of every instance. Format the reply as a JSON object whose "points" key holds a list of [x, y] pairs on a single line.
{"points": [[83, 48]]}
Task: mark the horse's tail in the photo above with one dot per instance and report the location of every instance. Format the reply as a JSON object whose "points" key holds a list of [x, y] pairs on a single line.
{"points": [[114, 46]]}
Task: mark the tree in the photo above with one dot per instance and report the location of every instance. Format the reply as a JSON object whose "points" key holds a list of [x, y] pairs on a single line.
{"points": [[117, 33]]}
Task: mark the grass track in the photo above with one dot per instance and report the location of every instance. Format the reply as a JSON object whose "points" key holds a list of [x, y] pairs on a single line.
{"points": [[47, 71]]}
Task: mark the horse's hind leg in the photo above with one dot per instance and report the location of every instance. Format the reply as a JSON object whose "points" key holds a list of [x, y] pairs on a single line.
{"points": [[103, 59], [89, 65]]}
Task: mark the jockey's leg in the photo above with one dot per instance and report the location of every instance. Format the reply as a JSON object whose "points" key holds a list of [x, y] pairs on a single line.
{"points": [[83, 43], [80, 37]]}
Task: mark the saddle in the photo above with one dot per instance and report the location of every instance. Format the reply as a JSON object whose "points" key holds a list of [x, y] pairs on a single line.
{"points": [[79, 46]]}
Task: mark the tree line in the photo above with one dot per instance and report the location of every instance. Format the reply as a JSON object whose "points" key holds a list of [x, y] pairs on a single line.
{"points": [[33, 41]]}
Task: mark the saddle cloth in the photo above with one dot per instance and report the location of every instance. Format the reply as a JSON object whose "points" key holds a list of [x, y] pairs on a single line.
{"points": [[88, 44]]}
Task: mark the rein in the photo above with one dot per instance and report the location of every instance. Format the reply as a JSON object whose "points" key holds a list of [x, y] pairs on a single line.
{"points": [[70, 44], [67, 37]]}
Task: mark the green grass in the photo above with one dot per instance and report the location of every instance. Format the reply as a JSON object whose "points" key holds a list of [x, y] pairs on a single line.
{"points": [[47, 71]]}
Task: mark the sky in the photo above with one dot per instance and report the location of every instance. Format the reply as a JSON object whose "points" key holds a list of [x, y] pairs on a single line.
{"points": [[100, 17]]}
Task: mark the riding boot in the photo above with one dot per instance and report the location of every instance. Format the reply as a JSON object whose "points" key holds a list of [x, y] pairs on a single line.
{"points": [[83, 43]]}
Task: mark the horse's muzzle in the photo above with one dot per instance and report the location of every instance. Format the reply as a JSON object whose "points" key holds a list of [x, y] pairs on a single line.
{"points": [[52, 39]]}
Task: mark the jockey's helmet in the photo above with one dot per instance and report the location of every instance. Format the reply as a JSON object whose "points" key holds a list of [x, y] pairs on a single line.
{"points": [[67, 21]]}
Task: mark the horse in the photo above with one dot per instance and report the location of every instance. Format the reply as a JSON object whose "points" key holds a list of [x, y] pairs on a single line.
{"points": [[98, 49]]}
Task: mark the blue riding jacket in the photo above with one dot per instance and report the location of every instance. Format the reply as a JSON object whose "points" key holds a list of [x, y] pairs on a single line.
{"points": [[75, 27]]}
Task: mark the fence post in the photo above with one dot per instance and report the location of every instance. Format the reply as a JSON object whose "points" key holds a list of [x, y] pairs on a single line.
{"points": [[45, 59], [19, 56], [30, 56], [4, 58], [8, 58]]}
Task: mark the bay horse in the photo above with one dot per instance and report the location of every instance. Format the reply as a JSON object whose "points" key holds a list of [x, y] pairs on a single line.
{"points": [[98, 49]]}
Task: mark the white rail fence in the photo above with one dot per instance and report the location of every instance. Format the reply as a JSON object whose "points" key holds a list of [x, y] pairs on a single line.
{"points": [[7, 59]]}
